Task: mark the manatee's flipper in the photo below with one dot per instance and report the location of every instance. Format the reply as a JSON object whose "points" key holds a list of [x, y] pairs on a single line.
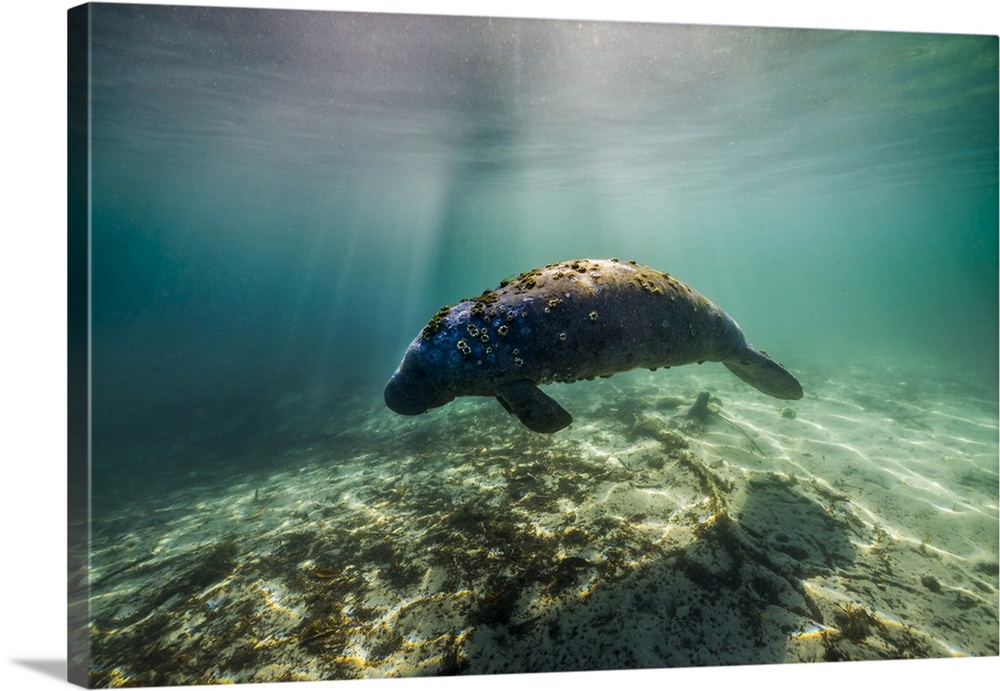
{"points": [[761, 372], [535, 410]]}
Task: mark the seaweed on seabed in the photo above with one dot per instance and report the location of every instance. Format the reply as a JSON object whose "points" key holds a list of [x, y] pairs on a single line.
{"points": [[211, 564], [499, 600], [325, 632], [567, 573], [218, 560], [453, 660], [154, 658], [719, 533], [709, 482], [856, 623]]}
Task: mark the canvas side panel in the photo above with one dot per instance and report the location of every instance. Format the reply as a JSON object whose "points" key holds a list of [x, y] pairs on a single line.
{"points": [[78, 303]]}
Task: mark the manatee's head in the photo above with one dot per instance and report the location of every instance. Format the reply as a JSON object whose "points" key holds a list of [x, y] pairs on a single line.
{"points": [[417, 384]]}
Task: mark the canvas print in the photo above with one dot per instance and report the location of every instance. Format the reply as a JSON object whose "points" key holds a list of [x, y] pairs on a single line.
{"points": [[410, 345]]}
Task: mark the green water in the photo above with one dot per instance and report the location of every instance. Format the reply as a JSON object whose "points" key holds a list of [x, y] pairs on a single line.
{"points": [[282, 199]]}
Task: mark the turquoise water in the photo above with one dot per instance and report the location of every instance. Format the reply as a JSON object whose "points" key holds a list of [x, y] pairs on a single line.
{"points": [[281, 200], [286, 198]]}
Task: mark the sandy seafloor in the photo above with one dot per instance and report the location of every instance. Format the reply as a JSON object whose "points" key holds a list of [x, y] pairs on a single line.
{"points": [[858, 523]]}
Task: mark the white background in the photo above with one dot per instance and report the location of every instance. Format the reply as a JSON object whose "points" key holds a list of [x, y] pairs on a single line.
{"points": [[33, 330]]}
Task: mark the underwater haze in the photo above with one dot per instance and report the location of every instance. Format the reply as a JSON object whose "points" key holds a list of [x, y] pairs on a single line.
{"points": [[282, 200]]}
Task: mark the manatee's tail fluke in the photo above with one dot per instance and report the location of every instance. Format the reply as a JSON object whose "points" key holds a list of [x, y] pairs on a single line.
{"points": [[764, 374]]}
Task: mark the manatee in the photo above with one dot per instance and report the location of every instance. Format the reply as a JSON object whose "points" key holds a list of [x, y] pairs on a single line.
{"points": [[565, 322]]}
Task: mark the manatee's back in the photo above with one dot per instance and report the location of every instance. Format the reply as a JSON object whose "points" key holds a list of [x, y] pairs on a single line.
{"points": [[588, 318]]}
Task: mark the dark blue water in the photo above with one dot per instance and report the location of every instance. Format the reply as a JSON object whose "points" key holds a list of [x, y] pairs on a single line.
{"points": [[281, 200]]}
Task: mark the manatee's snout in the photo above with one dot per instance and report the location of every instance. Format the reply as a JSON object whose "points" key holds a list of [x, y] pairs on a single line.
{"points": [[400, 400], [411, 392]]}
